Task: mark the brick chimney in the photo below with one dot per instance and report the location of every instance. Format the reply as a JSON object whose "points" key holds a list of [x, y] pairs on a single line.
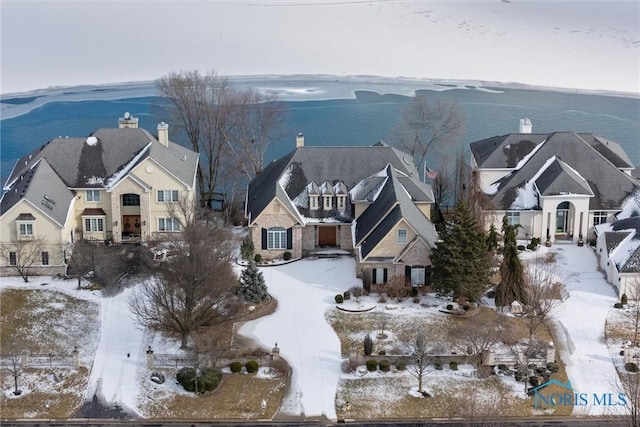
{"points": [[525, 125], [128, 121], [163, 134], [299, 140]]}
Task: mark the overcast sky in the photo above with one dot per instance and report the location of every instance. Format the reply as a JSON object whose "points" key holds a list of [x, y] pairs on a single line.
{"points": [[577, 44]]}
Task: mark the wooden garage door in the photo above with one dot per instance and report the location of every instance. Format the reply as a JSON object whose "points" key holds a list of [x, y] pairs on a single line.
{"points": [[327, 236]]}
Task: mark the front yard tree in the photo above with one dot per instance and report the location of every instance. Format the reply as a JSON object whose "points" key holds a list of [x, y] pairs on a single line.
{"points": [[194, 286], [543, 289], [427, 124], [476, 336], [252, 286], [459, 262], [22, 254], [512, 285], [419, 353]]}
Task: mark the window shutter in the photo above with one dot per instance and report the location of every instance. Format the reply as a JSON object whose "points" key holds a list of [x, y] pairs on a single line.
{"points": [[374, 271], [289, 238], [384, 275], [264, 238], [407, 272]]}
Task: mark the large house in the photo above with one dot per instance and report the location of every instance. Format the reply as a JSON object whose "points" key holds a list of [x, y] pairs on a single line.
{"points": [[364, 201], [118, 184], [554, 185]]}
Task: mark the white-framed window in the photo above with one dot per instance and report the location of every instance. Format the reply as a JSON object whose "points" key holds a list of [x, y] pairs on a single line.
{"points": [[92, 195], [341, 202], [378, 275], [93, 225], [402, 236], [513, 217], [13, 259], [45, 258], [328, 202], [276, 238], [168, 224], [599, 217], [417, 276], [167, 196], [313, 202], [25, 229]]}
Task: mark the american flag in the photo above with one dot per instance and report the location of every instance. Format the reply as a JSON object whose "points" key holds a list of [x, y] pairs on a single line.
{"points": [[429, 173]]}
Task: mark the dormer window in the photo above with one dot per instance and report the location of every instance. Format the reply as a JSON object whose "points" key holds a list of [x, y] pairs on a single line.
{"points": [[25, 224], [313, 202], [341, 202], [328, 202]]}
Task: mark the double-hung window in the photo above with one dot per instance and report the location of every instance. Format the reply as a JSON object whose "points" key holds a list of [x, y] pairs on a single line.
{"points": [[167, 196], [94, 225], [45, 258], [168, 224], [13, 259], [93, 195], [417, 276], [402, 236], [25, 229], [513, 217]]}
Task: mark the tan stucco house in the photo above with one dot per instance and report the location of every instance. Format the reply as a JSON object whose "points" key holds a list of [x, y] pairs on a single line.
{"points": [[363, 201], [116, 185], [554, 185]]}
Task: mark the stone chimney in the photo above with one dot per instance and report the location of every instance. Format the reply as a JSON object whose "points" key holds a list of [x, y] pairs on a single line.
{"points": [[525, 125], [128, 121], [299, 140], [163, 134]]}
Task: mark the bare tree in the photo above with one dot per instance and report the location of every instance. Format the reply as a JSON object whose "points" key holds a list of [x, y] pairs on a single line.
{"points": [[632, 310], [418, 351], [475, 337], [83, 261], [543, 290], [427, 124], [22, 254], [194, 287], [631, 384]]}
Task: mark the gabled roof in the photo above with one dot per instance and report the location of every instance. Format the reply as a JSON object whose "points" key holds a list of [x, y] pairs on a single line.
{"points": [[558, 178], [622, 241], [41, 187], [589, 156], [304, 165]]}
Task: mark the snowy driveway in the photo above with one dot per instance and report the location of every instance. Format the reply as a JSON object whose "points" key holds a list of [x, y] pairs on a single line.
{"points": [[304, 290], [580, 323]]}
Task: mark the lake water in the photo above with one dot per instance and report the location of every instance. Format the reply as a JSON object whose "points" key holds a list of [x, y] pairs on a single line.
{"points": [[330, 113]]}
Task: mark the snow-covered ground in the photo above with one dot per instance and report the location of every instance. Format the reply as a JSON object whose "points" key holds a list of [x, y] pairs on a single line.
{"points": [[305, 290]]}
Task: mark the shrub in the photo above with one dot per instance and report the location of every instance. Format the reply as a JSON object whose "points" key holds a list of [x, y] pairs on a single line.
{"points": [[438, 365], [617, 305], [235, 367], [552, 367], [401, 365], [533, 380], [521, 248], [531, 247], [247, 248], [372, 365], [631, 367], [414, 292], [385, 365], [466, 307], [339, 299], [257, 258], [252, 366], [623, 299], [287, 256], [186, 377], [449, 307], [368, 345], [347, 295], [382, 352], [209, 380], [535, 241], [453, 365], [502, 367]]}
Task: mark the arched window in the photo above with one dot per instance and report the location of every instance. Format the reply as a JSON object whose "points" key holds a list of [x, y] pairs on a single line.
{"points": [[276, 238]]}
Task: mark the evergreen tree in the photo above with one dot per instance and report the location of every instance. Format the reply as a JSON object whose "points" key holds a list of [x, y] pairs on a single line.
{"points": [[252, 286], [459, 262], [512, 282], [492, 239]]}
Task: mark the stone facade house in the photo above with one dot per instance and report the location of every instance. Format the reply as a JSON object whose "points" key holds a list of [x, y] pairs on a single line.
{"points": [[554, 185], [116, 185], [363, 201]]}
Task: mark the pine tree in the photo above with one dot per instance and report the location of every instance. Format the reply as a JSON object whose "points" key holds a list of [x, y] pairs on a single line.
{"points": [[492, 239], [512, 281], [459, 262], [252, 286]]}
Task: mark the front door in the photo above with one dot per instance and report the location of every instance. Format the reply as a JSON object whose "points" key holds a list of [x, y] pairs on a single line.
{"points": [[327, 236], [131, 225]]}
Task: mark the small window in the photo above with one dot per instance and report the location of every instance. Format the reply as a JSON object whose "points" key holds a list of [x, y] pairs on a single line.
{"points": [[13, 259], [341, 202], [328, 202], [93, 195], [167, 196], [25, 229], [168, 224], [313, 202], [45, 258], [513, 217], [599, 217], [130, 199], [402, 236], [93, 225]]}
